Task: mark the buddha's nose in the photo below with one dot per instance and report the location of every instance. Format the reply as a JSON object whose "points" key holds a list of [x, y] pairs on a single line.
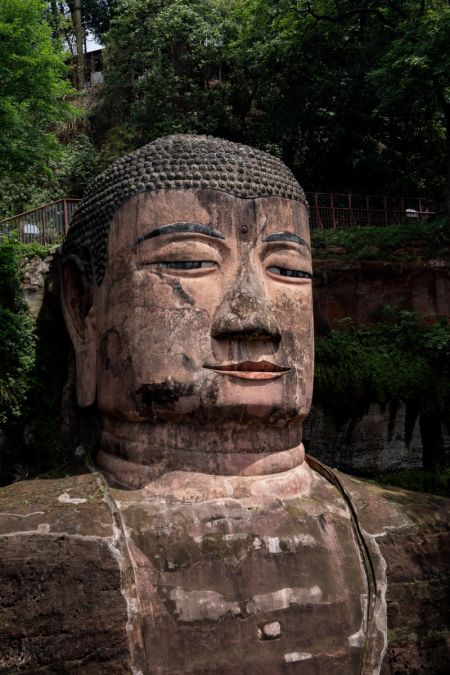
{"points": [[245, 313]]}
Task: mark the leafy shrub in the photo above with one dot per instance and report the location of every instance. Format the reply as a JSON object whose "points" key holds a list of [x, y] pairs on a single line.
{"points": [[396, 359], [66, 176], [384, 243], [437, 483], [17, 333]]}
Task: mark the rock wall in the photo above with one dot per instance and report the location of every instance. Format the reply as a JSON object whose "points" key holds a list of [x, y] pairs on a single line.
{"points": [[35, 277], [384, 439], [356, 290]]}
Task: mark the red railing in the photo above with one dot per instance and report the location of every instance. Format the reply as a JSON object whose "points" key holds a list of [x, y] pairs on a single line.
{"points": [[332, 210], [47, 225]]}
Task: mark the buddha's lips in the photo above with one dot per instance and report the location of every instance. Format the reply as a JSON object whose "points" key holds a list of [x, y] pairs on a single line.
{"points": [[251, 370]]}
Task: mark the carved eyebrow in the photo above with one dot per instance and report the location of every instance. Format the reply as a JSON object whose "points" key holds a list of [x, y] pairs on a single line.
{"points": [[287, 236], [197, 228]]}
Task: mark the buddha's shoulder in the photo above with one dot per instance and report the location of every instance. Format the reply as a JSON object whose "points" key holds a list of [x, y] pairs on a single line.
{"points": [[381, 510], [71, 506], [62, 598], [409, 533]]}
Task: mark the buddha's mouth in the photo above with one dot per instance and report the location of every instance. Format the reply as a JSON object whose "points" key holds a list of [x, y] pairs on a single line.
{"points": [[250, 370]]}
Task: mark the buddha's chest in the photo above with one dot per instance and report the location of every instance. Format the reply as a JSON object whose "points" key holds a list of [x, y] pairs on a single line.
{"points": [[248, 586]]}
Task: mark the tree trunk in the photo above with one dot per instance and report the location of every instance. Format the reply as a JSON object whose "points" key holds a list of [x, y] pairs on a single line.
{"points": [[78, 29], [55, 19]]}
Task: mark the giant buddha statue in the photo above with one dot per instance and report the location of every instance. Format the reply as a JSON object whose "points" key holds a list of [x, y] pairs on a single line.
{"points": [[202, 539]]}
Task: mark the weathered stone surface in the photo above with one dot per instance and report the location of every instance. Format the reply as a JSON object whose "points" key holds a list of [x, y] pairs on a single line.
{"points": [[66, 596], [384, 439], [247, 583], [207, 369], [152, 581], [34, 277], [177, 162], [412, 531], [355, 290]]}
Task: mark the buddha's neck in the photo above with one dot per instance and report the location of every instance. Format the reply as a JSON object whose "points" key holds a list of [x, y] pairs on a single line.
{"points": [[135, 454]]}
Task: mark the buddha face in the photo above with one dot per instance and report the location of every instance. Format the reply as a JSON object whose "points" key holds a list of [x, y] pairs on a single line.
{"points": [[205, 308], [204, 314]]}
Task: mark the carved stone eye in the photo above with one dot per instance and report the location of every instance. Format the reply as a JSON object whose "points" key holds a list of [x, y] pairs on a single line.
{"points": [[185, 264], [285, 272]]}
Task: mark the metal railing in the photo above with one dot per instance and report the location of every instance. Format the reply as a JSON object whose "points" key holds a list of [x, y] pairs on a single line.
{"points": [[332, 210], [47, 224]]}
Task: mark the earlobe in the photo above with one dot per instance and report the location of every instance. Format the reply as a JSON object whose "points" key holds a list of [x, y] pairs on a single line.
{"points": [[79, 315]]}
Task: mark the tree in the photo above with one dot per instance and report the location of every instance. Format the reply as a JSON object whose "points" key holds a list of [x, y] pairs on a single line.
{"points": [[414, 73], [164, 66], [32, 89], [306, 71], [320, 83], [96, 16]]}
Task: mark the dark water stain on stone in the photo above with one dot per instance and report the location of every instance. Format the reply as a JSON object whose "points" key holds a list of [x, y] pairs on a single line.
{"points": [[209, 393], [166, 393]]}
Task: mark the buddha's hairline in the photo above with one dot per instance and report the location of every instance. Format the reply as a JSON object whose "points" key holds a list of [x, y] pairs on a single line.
{"points": [[209, 189], [180, 163]]}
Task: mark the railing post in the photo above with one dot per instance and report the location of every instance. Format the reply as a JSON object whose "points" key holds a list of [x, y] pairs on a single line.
{"points": [[333, 215], [316, 207], [43, 226], [66, 217], [385, 212], [368, 210]]}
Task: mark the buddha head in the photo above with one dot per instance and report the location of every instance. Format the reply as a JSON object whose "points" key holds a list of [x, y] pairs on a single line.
{"points": [[186, 285]]}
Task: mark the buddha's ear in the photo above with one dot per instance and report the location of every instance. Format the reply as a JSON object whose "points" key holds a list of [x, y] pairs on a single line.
{"points": [[79, 315]]}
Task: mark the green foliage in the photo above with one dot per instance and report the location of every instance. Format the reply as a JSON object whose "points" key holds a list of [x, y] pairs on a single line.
{"points": [[33, 111], [413, 75], [36, 250], [395, 359], [302, 80], [404, 243], [75, 167], [437, 483], [352, 96], [96, 14], [32, 87], [10, 259], [17, 334], [69, 172], [33, 367], [416, 62], [163, 70], [17, 357]]}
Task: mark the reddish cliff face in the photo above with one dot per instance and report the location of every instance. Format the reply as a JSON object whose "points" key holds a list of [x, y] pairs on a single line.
{"points": [[357, 289], [412, 278]]}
